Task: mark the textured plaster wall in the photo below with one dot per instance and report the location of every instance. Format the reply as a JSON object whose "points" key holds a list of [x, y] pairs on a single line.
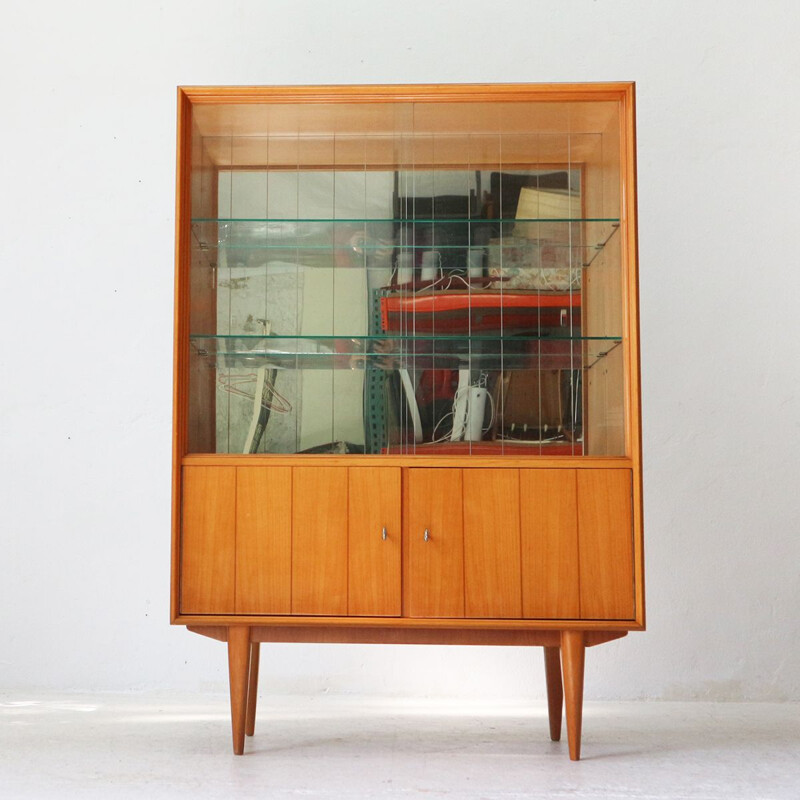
{"points": [[87, 136]]}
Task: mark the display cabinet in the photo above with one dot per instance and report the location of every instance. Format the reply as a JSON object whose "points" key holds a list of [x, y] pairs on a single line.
{"points": [[406, 372]]}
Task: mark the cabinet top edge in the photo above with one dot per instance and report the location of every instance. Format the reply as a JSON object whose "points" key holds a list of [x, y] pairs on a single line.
{"points": [[438, 92]]}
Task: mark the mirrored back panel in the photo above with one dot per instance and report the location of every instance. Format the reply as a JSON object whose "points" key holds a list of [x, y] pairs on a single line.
{"points": [[406, 278]]}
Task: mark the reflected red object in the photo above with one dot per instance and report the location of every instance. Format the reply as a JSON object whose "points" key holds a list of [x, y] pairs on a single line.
{"points": [[437, 384], [491, 448], [468, 312]]}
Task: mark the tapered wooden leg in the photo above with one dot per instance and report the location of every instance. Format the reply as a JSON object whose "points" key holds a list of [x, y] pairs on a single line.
{"points": [[238, 664], [555, 691], [252, 690], [573, 650]]}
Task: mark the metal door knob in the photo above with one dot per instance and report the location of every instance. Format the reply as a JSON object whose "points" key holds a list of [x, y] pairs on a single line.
{"points": [[383, 533], [426, 536]]}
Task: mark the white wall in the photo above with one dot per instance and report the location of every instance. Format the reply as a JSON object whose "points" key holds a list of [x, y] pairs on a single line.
{"points": [[87, 120]]}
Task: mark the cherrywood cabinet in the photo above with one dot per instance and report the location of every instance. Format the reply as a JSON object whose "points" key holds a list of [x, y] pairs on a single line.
{"points": [[208, 541], [482, 543], [319, 541], [493, 576], [435, 578], [406, 372], [606, 544], [374, 542], [550, 551], [263, 540]]}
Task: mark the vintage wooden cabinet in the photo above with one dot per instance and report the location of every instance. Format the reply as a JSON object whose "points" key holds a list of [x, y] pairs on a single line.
{"points": [[407, 372]]}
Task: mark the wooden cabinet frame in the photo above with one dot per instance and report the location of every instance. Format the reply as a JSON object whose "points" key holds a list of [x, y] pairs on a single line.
{"points": [[604, 531]]}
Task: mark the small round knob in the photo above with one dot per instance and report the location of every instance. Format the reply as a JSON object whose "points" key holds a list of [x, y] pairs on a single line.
{"points": [[426, 536], [383, 533]]}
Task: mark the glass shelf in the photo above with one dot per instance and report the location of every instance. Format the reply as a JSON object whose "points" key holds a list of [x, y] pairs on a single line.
{"points": [[521, 241], [367, 246], [398, 220], [558, 351]]}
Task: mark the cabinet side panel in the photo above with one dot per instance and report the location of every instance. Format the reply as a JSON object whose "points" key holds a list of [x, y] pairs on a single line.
{"points": [[602, 285], [436, 566], [633, 391], [203, 302], [605, 380], [208, 540], [374, 561], [549, 518], [180, 380], [492, 579], [605, 535], [319, 540], [263, 540], [605, 417]]}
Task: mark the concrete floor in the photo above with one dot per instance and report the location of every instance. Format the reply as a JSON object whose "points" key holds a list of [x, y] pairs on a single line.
{"points": [[157, 745]]}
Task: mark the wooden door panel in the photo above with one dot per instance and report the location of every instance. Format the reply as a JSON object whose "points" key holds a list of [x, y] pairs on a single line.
{"points": [[263, 540], [319, 540], [605, 534], [374, 561], [435, 582], [208, 540], [549, 517], [492, 571]]}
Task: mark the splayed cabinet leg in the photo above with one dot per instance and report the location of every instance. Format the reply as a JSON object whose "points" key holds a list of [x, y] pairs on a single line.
{"points": [[573, 649], [252, 690], [238, 669], [555, 691]]}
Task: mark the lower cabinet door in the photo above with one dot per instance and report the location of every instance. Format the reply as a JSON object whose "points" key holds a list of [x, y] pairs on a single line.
{"points": [[434, 584], [492, 572], [478, 543], [605, 527], [263, 540], [549, 521], [319, 540], [208, 540], [374, 544]]}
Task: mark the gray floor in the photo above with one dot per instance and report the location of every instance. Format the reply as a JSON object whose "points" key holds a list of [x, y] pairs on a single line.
{"points": [[154, 745]]}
